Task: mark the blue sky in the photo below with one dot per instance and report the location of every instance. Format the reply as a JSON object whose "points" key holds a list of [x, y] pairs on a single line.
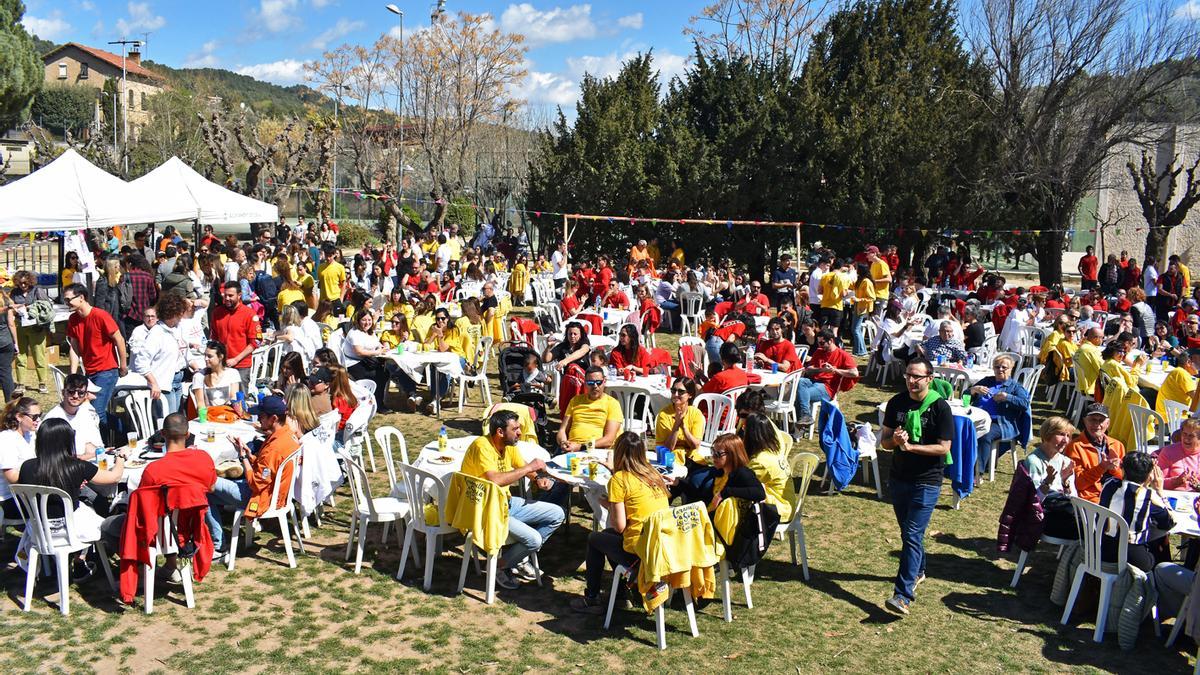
{"points": [[271, 39]]}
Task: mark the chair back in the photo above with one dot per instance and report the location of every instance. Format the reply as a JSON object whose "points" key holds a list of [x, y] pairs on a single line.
{"points": [[483, 354], [281, 490], [691, 305], [956, 377], [1030, 341], [1028, 377], [734, 392], [421, 488], [141, 408], [1094, 521], [788, 388], [1016, 358], [360, 487], [718, 415], [803, 466], [869, 328], [1176, 413], [689, 522], [329, 421], [472, 497], [389, 437], [635, 404], [59, 378], [1147, 424], [802, 353], [32, 501]]}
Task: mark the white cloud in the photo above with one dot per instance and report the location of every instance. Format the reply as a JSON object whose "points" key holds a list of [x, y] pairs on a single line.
{"points": [[548, 89], [553, 25], [667, 63], [633, 21], [285, 72], [141, 19], [1188, 10], [87, 5], [278, 15], [341, 29], [319, 4], [205, 58], [49, 28]]}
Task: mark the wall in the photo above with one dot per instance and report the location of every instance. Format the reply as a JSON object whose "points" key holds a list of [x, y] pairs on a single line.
{"points": [[99, 72]]}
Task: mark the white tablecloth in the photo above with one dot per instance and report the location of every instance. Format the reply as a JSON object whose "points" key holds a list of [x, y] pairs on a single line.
{"points": [[443, 465], [981, 420], [220, 448], [654, 385], [413, 363], [613, 318], [1152, 380], [605, 341], [1183, 512]]}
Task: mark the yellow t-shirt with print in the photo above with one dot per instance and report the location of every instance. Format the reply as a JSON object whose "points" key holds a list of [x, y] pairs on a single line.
{"points": [[833, 289], [464, 338], [772, 471], [640, 502], [588, 417], [693, 422], [483, 457], [332, 275]]}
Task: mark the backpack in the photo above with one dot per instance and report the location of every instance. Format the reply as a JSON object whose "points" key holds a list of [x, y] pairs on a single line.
{"points": [[755, 530], [266, 287]]}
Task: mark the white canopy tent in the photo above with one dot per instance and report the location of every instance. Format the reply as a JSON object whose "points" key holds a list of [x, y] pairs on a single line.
{"points": [[72, 193], [205, 201]]}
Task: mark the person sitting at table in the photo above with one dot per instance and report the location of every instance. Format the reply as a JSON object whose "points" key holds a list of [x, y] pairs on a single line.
{"points": [[1136, 498], [1180, 383], [495, 457], [679, 426], [1087, 360], [55, 465], [974, 328], [301, 415], [1054, 336], [1094, 454], [635, 492], [80, 414], [734, 478], [590, 416], [599, 358], [1113, 362], [397, 334], [629, 355], [828, 368], [774, 349], [1007, 402], [397, 303], [217, 384], [252, 492], [615, 298], [1053, 476], [768, 462], [731, 374], [318, 383], [291, 372], [292, 334], [573, 349], [943, 347], [20, 419], [362, 352], [1180, 462], [570, 304], [341, 394]]}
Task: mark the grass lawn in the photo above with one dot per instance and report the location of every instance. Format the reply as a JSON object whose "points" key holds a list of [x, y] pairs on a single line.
{"points": [[321, 617]]}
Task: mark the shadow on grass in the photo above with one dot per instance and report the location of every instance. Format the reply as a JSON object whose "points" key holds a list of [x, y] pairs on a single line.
{"points": [[831, 584]]}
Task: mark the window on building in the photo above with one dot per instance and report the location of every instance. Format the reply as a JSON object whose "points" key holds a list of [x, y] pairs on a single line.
{"points": [[143, 102], [132, 101], [62, 71], [83, 71]]}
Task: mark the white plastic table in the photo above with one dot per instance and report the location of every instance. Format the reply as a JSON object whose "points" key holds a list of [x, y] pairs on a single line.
{"points": [[594, 341], [1183, 512], [417, 365], [443, 465]]}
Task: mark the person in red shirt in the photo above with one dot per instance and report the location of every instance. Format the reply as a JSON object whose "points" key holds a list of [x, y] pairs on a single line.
{"points": [[96, 339], [773, 349], [629, 354], [964, 278], [822, 376], [570, 304], [615, 298], [1089, 269], [1122, 303], [1096, 300], [236, 325], [991, 290], [1124, 262], [604, 278], [892, 257], [731, 374], [756, 302]]}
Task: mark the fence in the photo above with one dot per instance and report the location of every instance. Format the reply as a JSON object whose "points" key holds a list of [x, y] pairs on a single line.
{"points": [[38, 256]]}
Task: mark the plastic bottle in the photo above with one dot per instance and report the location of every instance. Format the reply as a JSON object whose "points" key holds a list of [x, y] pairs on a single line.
{"points": [[750, 357], [612, 372], [442, 439]]}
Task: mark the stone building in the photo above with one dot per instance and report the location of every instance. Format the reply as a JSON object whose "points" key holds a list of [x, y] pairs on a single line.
{"points": [[1117, 208], [76, 64]]}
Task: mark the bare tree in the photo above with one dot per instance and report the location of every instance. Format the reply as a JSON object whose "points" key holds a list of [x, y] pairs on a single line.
{"points": [[91, 148], [770, 31], [1156, 192], [1071, 79]]}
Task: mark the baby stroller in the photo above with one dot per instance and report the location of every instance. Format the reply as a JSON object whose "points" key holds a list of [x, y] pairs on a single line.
{"points": [[511, 370]]}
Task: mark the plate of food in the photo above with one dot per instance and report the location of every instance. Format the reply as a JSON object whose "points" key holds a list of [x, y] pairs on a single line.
{"points": [[135, 463], [442, 459]]}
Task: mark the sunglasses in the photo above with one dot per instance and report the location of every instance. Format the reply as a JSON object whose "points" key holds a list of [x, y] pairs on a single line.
{"points": [[593, 383], [76, 392], [443, 318], [720, 455], [678, 392], [33, 417]]}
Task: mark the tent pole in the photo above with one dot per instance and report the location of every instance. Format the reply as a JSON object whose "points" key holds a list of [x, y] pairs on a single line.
{"points": [[62, 260], [567, 241]]}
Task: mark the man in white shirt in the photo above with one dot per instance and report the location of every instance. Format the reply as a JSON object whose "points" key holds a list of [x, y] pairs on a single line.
{"points": [[444, 254], [159, 358], [559, 260], [814, 281], [1150, 278], [237, 258], [79, 413]]}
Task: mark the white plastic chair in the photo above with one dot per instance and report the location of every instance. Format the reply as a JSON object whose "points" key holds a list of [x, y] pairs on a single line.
{"points": [[367, 510], [959, 382], [635, 407], [165, 544], [1028, 377], [483, 355], [1180, 620], [1093, 520], [735, 392], [700, 360], [1143, 417], [280, 513], [1176, 413], [1023, 559], [727, 591], [803, 466], [390, 438], [783, 406], [492, 561], [691, 312], [32, 501], [356, 439], [718, 415], [59, 378], [141, 407], [419, 487]]}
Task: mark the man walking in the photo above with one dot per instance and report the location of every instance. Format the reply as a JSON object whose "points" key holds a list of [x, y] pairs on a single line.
{"points": [[917, 426], [236, 326], [96, 338]]}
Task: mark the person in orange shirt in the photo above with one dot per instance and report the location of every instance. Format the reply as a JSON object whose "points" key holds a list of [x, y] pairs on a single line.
{"points": [[1094, 453], [252, 492]]}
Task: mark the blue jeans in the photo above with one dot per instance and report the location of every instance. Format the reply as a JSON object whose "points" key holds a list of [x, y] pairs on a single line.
{"points": [[983, 448], [232, 494], [713, 347], [171, 396], [529, 525], [808, 392], [913, 504], [107, 381], [856, 332]]}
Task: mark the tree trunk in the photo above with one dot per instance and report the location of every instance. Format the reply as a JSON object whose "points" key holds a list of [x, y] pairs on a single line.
{"points": [[1156, 244], [1049, 255]]}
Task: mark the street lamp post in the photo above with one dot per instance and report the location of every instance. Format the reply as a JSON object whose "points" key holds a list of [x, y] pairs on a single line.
{"points": [[400, 95], [125, 101]]}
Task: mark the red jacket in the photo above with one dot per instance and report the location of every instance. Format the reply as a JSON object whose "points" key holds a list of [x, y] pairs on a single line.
{"points": [[147, 506]]}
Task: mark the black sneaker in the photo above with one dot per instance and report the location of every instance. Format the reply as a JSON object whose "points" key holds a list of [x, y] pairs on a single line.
{"points": [[82, 570], [586, 605], [806, 421]]}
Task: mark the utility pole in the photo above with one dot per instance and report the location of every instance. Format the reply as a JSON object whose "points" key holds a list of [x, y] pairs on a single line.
{"points": [[125, 100], [400, 94]]}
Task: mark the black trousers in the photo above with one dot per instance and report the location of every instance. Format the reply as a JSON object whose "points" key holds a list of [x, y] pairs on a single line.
{"points": [[605, 545], [6, 371]]}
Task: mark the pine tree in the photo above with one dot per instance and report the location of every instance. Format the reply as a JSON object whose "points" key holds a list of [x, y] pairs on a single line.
{"points": [[20, 67]]}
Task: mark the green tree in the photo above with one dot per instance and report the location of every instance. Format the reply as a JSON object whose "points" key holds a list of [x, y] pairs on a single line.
{"points": [[20, 67], [64, 108], [888, 91]]}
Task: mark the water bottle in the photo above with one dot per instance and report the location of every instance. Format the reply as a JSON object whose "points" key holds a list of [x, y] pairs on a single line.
{"points": [[442, 440], [612, 372], [598, 301], [970, 361], [750, 357]]}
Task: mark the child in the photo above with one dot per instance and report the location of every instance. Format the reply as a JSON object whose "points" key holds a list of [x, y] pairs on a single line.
{"points": [[534, 380], [598, 358]]}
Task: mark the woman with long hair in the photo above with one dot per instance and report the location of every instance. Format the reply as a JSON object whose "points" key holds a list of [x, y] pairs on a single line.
{"points": [[289, 289], [71, 267], [57, 466], [113, 292], [20, 421], [629, 354], [217, 384], [768, 462], [292, 334], [734, 478], [341, 394], [574, 348], [300, 412], [291, 371], [361, 352], [680, 425], [635, 492]]}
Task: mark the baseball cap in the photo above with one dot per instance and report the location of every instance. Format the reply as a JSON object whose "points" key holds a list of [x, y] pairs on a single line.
{"points": [[873, 249], [270, 405], [320, 376], [1095, 409]]}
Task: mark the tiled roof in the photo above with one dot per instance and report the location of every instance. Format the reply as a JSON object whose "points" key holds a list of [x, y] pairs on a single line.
{"points": [[111, 59]]}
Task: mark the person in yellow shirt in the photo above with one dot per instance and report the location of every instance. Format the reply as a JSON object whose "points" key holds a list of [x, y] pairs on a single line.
{"points": [[590, 416], [1060, 330], [1180, 383], [289, 290], [518, 280], [397, 304], [70, 268], [332, 275], [1183, 271], [864, 304], [635, 492], [834, 285], [1087, 361], [495, 457], [308, 285], [397, 334], [680, 425], [768, 463], [881, 273]]}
